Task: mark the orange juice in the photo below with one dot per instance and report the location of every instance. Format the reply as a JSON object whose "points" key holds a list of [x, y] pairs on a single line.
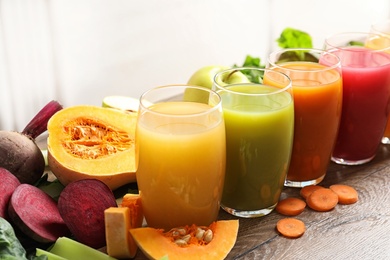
{"points": [[317, 106], [181, 164]]}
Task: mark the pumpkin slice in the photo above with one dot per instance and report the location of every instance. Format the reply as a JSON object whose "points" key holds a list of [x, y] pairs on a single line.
{"points": [[92, 142], [118, 221], [191, 242]]}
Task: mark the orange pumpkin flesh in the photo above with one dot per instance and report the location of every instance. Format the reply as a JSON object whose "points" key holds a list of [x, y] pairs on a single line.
{"points": [[92, 142], [156, 244]]}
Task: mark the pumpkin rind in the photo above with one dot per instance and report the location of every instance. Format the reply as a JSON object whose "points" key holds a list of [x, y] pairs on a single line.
{"points": [[115, 169], [155, 245]]}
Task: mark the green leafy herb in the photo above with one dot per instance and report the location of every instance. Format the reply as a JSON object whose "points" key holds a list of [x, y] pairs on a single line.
{"points": [[255, 76]]}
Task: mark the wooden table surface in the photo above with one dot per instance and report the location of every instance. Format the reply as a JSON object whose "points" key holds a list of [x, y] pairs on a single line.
{"points": [[357, 231]]}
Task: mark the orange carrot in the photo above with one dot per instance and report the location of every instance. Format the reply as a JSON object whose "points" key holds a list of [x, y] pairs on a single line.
{"points": [[307, 190], [291, 227], [290, 206], [322, 200], [347, 194]]}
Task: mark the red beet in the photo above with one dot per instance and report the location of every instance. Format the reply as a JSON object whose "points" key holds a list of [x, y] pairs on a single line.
{"points": [[36, 214], [81, 205], [8, 184], [19, 153]]}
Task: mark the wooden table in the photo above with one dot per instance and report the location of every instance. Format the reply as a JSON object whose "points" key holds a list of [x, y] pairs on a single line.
{"points": [[357, 231]]}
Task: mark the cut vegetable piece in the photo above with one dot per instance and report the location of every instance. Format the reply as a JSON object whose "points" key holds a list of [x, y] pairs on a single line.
{"points": [[71, 249], [50, 256], [134, 203], [347, 194], [81, 205], [91, 142], [36, 214], [290, 206], [120, 244], [190, 242], [322, 200], [291, 227], [307, 190], [9, 183]]}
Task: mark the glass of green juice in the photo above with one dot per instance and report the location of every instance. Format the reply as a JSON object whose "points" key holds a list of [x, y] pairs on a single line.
{"points": [[259, 123]]}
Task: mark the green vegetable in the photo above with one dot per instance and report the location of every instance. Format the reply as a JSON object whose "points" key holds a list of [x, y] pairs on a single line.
{"points": [[293, 38], [252, 75], [10, 246], [355, 43]]}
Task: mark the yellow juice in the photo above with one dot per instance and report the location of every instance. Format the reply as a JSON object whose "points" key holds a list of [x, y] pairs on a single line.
{"points": [[181, 165]]}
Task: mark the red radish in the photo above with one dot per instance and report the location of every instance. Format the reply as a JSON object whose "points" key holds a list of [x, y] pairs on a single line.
{"points": [[19, 153], [36, 214], [9, 183], [81, 205]]}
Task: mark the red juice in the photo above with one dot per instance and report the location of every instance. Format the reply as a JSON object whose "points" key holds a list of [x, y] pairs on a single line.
{"points": [[366, 104]]}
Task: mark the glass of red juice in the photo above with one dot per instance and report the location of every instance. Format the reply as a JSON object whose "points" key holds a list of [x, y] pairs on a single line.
{"points": [[365, 64]]}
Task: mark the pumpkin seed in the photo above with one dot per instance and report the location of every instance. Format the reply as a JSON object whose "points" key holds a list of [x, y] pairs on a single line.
{"points": [[208, 236]]}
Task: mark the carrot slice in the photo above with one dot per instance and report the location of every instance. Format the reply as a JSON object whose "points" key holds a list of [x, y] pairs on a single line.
{"points": [[347, 194], [322, 200], [291, 227], [290, 206], [307, 190]]}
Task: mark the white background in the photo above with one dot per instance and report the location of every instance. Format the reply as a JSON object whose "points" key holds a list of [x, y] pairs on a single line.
{"points": [[78, 51]]}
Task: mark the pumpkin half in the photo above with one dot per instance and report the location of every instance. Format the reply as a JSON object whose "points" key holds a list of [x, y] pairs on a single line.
{"points": [[191, 242], [92, 142]]}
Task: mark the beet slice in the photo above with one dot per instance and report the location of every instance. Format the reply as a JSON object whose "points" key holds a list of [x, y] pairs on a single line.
{"points": [[9, 183], [81, 205], [36, 214]]}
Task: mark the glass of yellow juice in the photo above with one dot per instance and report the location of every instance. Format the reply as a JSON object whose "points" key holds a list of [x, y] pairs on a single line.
{"points": [[382, 28], [180, 155], [259, 122], [318, 91]]}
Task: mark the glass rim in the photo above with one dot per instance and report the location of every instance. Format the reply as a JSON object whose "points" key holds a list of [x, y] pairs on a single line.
{"points": [[347, 48], [377, 24], [277, 90], [325, 68], [144, 105]]}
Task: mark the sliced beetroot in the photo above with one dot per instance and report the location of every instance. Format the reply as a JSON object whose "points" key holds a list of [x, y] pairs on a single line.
{"points": [[36, 214], [81, 205], [9, 183]]}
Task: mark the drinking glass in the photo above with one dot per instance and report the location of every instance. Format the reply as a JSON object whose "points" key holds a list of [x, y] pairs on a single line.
{"points": [[317, 86], [383, 28], [259, 120], [180, 155], [366, 95]]}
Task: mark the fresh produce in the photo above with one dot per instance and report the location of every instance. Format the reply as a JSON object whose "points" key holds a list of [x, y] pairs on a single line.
{"points": [[121, 102], [322, 200], [9, 183], [307, 190], [118, 222], [10, 246], [190, 242], [19, 153], [36, 214], [290, 206], [50, 256], [92, 142], [291, 227], [346, 194], [67, 248], [81, 205]]}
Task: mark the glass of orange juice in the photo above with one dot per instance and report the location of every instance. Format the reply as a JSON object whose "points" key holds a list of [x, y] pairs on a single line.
{"points": [[383, 28], [317, 87], [259, 122], [180, 155]]}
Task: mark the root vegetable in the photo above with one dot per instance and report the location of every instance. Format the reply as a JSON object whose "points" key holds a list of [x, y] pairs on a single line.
{"points": [[82, 204], [9, 183], [36, 214], [19, 153]]}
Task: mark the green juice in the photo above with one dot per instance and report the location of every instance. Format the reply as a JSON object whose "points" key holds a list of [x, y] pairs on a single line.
{"points": [[259, 135]]}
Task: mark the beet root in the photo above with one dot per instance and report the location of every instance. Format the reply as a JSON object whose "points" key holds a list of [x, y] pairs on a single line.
{"points": [[21, 156], [81, 205], [36, 214], [9, 183]]}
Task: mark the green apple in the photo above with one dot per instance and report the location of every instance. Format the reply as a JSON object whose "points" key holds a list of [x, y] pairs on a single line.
{"points": [[204, 77], [121, 103]]}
